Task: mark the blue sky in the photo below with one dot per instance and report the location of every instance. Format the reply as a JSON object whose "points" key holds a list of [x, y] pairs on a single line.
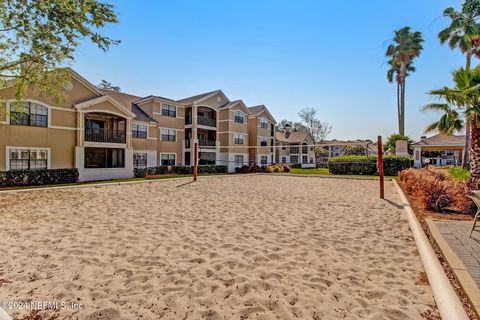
{"points": [[286, 54]]}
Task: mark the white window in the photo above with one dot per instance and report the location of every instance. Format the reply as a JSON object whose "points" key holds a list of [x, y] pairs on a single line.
{"points": [[263, 160], [239, 117], [304, 159], [238, 138], [168, 134], [169, 110], [139, 159], [284, 146], [167, 159], [139, 131], [25, 113], [263, 123], [284, 159], [294, 159], [28, 159], [238, 160], [263, 141]]}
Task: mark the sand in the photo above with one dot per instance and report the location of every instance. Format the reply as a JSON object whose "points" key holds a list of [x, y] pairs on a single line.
{"points": [[231, 247]]}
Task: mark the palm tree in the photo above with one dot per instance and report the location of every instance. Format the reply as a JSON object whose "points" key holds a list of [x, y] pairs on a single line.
{"points": [[406, 46], [464, 100], [463, 33], [394, 72], [449, 123]]}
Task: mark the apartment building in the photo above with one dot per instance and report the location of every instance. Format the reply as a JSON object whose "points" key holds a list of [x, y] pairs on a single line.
{"points": [[295, 148], [261, 126], [105, 134]]}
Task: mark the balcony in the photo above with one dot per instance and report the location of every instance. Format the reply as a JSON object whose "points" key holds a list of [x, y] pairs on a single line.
{"points": [[201, 120], [201, 143], [105, 135]]}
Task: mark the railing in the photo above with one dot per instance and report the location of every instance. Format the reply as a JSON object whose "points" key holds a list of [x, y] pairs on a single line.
{"points": [[204, 121], [207, 143], [105, 135]]}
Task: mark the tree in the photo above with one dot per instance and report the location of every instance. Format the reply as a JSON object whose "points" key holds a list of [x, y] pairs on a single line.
{"points": [[355, 150], [463, 33], [105, 85], [38, 37], [406, 46], [390, 145], [294, 126], [318, 130], [449, 123], [464, 98]]}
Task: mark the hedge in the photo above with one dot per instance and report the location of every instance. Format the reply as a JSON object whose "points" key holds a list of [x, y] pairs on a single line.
{"points": [[15, 178], [152, 171], [363, 165]]}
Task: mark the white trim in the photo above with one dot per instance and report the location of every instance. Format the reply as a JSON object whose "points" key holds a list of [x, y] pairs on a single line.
{"points": [[64, 128], [63, 109], [246, 134], [90, 144], [168, 153], [7, 154], [176, 135], [88, 103], [49, 110], [143, 123], [102, 111]]}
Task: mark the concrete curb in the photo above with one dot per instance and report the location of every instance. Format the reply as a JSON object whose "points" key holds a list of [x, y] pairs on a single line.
{"points": [[448, 303], [466, 282], [323, 176]]}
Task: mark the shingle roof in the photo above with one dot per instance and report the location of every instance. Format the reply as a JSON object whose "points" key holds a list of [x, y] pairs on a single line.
{"points": [[195, 98], [228, 105], [442, 140], [127, 101], [256, 109], [291, 137]]}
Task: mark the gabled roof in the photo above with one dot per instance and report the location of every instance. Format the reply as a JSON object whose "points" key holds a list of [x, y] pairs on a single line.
{"points": [[202, 97], [152, 97], [239, 103], [442, 140], [128, 101], [291, 136], [258, 110], [105, 98]]}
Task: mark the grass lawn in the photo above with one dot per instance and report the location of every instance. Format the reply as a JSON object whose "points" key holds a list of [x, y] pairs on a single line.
{"points": [[324, 171]]}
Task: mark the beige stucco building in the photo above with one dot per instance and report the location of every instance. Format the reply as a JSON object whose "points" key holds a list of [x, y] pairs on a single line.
{"points": [[295, 148], [105, 134]]}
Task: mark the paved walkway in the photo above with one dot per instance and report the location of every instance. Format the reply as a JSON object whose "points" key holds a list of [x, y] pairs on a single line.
{"points": [[456, 234]]}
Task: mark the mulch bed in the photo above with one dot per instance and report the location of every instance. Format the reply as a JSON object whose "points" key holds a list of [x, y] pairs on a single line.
{"points": [[422, 214]]}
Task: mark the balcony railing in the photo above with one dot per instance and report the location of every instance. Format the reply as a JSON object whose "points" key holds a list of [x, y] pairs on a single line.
{"points": [[207, 143], [204, 121], [105, 135]]}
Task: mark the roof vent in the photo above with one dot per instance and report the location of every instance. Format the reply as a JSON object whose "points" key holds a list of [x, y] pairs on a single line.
{"points": [[423, 138]]}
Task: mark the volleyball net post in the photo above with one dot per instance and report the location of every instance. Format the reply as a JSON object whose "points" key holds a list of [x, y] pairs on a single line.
{"points": [[380, 167], [195, 161]]}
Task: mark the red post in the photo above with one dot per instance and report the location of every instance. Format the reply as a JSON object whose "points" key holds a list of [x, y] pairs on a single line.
{"points": [[195, 161], [380, 166]]}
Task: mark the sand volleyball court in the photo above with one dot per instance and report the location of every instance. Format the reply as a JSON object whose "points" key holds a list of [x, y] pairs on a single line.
{"points": [[231, 247]]}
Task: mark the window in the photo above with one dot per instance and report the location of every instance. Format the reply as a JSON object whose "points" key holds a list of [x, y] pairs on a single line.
{"points": [[139, 131], [294, 159], [28, 114], [239, 118], [168, 134], [263, 160], [28, 159], [239, 160], [206, 158], [104, 158], [263, 141], [284, 146], [284, 159], [139, 159], [294, 149], [263, 123], [304, 148], [168, 110], [304, 159], [167, 159], [238, 138]]}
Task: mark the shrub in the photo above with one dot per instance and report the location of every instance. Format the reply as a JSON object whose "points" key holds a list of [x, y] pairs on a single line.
{"points": [[459, 173], [438, 191], [152, 171], [268, 169], [254, 169], [363, 165], [16, 178], [286, 168], [277, 168]]}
